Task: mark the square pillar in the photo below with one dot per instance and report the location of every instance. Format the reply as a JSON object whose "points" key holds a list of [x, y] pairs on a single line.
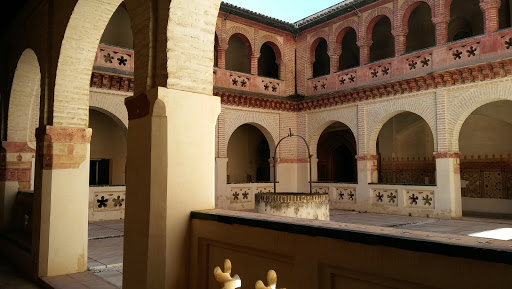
{"points": [[170, 172], [364, 47], [254, 64], [448, 198], [441, 24], [367, 169], [491, 18], [61, 200]]}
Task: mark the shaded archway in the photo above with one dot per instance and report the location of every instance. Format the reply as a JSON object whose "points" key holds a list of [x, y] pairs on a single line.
{"points": [[336, 153], [108, 149], [383, 41], [216, 51], [421, 31], [238, 54], [269, 60], [248, 156], [322, 61], [466, 19], [485, 143], [405, 148], [349, 56]]}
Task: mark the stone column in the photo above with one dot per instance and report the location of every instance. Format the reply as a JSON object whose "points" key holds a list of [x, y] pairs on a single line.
{"points": [[441, 24], [170, 172], [400, 42], [221, 172], [364, 47], [491, 18], [61, 199], [254, 63], [15, 175], [448, 201]]}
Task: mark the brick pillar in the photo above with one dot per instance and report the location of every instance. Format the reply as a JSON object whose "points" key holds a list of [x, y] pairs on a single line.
{"points": [[15, 175], [364, 47], [314, 169], [448, 202], [441, 24], [221, 172], [254, 63], [335, 62], [61, 200], [491, 18], [221, 57], [400, 42]]}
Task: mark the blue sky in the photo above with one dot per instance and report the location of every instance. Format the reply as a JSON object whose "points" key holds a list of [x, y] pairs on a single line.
{"points": [[286, 10]]}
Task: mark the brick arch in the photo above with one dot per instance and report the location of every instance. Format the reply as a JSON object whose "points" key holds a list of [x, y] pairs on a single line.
{"points": [[376, 118], [409, 5], [247, 35], [112, 104], [319, 122], [469, 102], [313, 40], [340, 32], [25, 95], [267, 125], [276, 44], [374, 16]]}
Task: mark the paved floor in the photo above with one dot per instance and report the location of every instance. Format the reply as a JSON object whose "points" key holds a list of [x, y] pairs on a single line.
{"points": [[106, 251], [11, 278]]}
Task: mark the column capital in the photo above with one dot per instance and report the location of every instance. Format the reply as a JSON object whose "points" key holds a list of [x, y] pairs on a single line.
{"points": [[364, 42], [490, 4], [447, 155]]}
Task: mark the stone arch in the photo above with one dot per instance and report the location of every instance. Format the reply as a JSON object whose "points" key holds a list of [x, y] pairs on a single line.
{"points": [[377, 119], [279, 56], [374, 16], [192, 58], [112, 104], [313, 40], [113, 116], [74, 69], [268, 135], [270, 38], [470, 101], [321, 122], [408, 6], [25, 94]]}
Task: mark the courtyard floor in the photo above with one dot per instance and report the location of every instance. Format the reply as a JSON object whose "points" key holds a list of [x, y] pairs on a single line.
{"points": [[106, 245]]}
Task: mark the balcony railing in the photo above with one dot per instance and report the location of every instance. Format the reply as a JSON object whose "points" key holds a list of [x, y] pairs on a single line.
{"points": [[447, 56], [248, 82]]}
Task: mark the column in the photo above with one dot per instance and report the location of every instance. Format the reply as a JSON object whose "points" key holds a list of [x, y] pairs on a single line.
{"points": [[491, 18], [448, 201], [221, 56], [441, 24], [170, 172], [335, 62], [254, 63], [364, 47], [400, 41], [61, 200], [221, 180], [15, 175], [314, 169]]}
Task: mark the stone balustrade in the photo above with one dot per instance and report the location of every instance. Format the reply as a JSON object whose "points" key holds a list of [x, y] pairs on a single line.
{"points": [[248, 82]]}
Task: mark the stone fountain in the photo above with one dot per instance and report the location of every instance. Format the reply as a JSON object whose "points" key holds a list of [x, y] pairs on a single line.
{"points": [[294, 204]]}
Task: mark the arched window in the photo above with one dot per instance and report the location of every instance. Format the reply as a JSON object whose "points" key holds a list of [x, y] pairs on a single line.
{"points": [[119, 30], [322, 64], [238, 54], [349, 56], [405, 148], [466, 19], [383, 42], [268, 61], [421, 31]]}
